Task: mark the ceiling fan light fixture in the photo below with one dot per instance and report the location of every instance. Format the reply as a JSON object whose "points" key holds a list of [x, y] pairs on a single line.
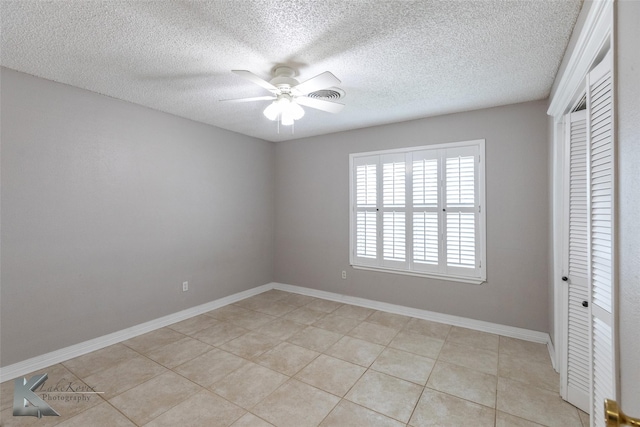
{"points": [[272, 111], [284, 109], [289, 95], [286, 119], [296, 111]]}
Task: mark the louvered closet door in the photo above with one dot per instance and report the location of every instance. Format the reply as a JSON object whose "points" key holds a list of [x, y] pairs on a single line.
{"points": [[601, 173], [577, 377]]}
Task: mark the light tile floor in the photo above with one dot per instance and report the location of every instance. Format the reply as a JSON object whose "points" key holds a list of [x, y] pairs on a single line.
{"points": [[282, 359]]}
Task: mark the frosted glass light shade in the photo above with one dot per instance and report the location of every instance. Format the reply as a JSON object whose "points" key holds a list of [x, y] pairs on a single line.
{"points": [[295, 110], [286, 119], [285, 110], [272, 111]]}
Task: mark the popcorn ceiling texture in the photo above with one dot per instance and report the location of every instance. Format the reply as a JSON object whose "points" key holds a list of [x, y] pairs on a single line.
{"points": [[398, 60]]}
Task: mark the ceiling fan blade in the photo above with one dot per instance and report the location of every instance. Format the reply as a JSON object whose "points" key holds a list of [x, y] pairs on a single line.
{"points": [[320, 104], [321, 81], [255, 98], [257, 80]]}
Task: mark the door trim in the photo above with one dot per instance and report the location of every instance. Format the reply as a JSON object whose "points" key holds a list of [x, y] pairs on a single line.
{"points": [[594, 39]]}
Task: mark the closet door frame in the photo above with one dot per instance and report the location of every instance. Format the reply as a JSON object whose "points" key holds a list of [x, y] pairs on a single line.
{"points": [[591, 44]]}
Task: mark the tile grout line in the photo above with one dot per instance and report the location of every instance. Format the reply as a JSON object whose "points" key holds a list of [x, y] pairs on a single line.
{"points": [[255, 361], [340, 398], [104, 400], [154, 377]]}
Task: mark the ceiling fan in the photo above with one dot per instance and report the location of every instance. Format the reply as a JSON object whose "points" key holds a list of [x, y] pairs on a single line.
{"points": [[288, 94]]}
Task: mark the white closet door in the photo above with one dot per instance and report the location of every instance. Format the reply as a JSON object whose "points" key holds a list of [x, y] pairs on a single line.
{"points": [[577, 377], [601, 174]]}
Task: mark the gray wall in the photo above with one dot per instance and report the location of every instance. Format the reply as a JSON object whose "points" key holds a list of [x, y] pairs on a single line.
{"points": [[107, 207], [312, 215], [628, 116]]}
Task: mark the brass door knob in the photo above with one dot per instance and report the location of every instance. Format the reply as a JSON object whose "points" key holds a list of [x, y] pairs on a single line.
{"points": [[615, 417]]}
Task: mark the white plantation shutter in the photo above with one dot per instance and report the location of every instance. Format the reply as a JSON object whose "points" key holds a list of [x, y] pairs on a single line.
{"points": [[426, 238], [366, 202], [366, 185], [462, 209], [424, 205], [600, 155], [394, 236], [578, 357], [366, 234], [393, 181], [426, 220], [460, 175], [425, 179], [394, 210], [461, 239]]}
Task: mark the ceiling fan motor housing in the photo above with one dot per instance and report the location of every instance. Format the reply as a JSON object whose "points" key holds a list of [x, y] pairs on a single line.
{"points": [[284, 78]]}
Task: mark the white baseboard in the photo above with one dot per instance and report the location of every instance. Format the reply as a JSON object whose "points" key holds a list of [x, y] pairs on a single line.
{"points": [[39, 362], [478, 325]]}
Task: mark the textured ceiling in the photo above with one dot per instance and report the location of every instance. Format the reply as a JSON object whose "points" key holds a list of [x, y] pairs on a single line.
{"points": [[397, 60]]}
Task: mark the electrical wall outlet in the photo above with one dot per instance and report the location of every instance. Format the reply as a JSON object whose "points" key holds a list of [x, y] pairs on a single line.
{"points": [[344, 274], [185, 286]]}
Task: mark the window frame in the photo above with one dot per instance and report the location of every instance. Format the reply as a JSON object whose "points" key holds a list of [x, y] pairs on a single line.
{"points": [[409, 266]]}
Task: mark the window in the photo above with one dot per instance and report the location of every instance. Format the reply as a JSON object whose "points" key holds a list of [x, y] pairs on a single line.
{"points": [[420, 211]]}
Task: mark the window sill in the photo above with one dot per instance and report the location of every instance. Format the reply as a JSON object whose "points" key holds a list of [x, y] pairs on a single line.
{"points": [[462, 279]]}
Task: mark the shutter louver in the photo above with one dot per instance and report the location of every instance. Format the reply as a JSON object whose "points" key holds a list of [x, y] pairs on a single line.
{"points": [[425, 183], [366, 186], [426, 238], [366, 220], [460, 181], [366, 234], [394, 176], [394, 232], [461, 246], [460, 211], [393, 184]]}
